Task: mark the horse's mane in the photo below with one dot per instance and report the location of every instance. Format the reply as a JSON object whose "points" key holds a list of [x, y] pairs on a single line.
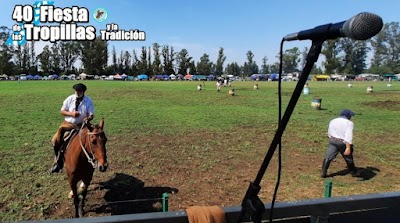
{"points": [[93, 127]]}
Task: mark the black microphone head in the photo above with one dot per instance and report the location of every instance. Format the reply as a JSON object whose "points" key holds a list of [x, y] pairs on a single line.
{"points": [[362, 26]]}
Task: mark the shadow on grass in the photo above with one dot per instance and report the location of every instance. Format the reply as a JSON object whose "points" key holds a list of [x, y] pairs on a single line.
{"points": [[366, 173], [128, 195]]}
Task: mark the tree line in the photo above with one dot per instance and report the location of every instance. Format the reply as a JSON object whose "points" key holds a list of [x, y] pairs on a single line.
{"points": [[343, 55]]}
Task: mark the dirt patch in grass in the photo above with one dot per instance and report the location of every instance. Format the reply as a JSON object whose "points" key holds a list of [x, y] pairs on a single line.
{"points": [[194, 169], [388, 105]]}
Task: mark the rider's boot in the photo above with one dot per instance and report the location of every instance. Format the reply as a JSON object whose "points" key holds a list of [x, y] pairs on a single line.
{"points": [[58, 160], [324, 169]]}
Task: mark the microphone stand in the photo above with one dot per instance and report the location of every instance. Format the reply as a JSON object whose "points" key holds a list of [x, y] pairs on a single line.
{"points": [[252, 205]]}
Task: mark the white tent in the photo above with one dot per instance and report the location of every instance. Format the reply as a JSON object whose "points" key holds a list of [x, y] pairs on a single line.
{"points": [[82, 76], [368, 75]]}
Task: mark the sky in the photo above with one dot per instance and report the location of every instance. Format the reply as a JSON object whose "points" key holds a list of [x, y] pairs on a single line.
{"points": [[205, 26]]}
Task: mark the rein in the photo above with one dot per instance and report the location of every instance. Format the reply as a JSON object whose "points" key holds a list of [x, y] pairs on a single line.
{"points": [[90, 160]]}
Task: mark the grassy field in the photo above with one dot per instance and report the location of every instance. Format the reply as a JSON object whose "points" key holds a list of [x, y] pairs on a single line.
{"points": [[202, 147]]}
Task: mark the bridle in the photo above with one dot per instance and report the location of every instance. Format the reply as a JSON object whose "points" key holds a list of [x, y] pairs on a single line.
{"points": [[91, 160]]}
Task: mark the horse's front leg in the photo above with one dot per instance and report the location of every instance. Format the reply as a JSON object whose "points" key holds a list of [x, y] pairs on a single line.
{"points": [[74, 190], [85, 183], [82, 204]]}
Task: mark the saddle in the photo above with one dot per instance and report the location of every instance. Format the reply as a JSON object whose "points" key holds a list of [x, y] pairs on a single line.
{"points": [[68, 136]]}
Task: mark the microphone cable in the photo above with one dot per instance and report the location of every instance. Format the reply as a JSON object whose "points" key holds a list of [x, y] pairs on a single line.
{"points": [[280, 139]]}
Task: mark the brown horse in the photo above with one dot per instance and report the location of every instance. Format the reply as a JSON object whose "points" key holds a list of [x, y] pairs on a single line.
{"points": [[85, 152]]}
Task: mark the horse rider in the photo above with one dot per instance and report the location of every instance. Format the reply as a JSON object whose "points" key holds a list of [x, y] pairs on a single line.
{"points": [[77, 109]]}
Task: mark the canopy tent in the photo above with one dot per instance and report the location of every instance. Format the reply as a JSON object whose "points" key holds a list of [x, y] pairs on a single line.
{"points": [[273, 77], [157, 77], [202, 77], [117, 76], [321, 77], [82, 76], [53, 77], [22, 77], [142, 77], [390, 77], [172, 77], [187, 77], [336, 77], [211, 77], [64, 77], [263, 77], [368, 75], [3, 77]]}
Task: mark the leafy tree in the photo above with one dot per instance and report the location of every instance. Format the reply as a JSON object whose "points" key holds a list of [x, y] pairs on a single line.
{"points": [[392, 31], [192, 68], [69, 53], [380, 49], [149, 66], [33, 61], [114, 60], [219, 66], [290, 60], [135, 64], [127, 62], [304, 54], [44, 59], [359, 56], [233, 69], [316, 70], [330, 50], [264, 66], [354, 55], [386, 49], [250, 67], [6, 53], [275, 67], [168, 55], [18, 58], [183, 60], [121, 61], [157, 68], [142, 63], [204, 67], [55, 58], [94, 56]]}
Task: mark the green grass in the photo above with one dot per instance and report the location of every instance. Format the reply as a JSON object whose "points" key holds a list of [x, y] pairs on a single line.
{"points": [[29, 116]]}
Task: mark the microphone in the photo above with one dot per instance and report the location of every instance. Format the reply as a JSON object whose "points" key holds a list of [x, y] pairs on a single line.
{"points": [[359, 27]]}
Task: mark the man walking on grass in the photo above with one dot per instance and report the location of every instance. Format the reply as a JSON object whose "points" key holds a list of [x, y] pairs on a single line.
{"points": [[340, 133]]}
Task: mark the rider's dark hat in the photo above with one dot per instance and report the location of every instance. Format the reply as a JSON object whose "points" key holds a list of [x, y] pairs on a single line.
{"points": [[346, 112], [79, 87]]}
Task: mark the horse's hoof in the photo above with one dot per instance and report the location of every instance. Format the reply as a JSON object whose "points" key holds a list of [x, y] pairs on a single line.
{"points": [[55, 169], [81, 212], [70, 195]]}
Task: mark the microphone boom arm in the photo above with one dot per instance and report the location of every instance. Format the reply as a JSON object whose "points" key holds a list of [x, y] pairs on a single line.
{"points": [[251, 204]]}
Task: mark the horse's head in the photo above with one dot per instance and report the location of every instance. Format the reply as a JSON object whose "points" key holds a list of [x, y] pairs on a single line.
{"points": [[96, 144]]}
